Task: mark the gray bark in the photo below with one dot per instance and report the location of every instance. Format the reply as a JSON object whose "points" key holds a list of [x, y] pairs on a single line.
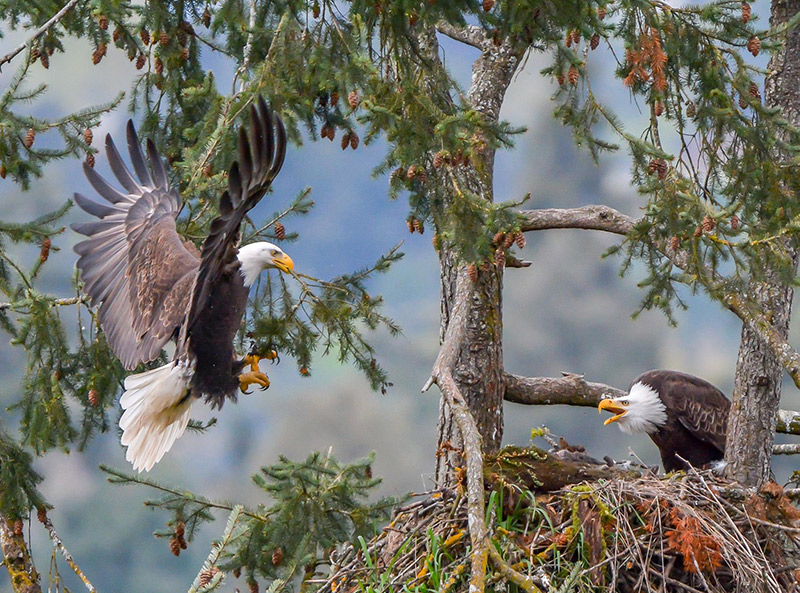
{"points": [[757, 386], [479, 366]]}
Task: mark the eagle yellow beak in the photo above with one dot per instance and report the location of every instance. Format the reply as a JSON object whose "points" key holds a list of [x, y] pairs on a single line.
{"points": [[614, 408], [283, 262]]}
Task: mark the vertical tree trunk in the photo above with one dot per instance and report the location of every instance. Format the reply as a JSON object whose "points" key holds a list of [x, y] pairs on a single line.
{"points": [[757, 387], [479, 370]]}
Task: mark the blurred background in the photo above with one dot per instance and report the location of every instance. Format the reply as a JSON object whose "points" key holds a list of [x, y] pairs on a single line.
{"points": [[570, 311]]}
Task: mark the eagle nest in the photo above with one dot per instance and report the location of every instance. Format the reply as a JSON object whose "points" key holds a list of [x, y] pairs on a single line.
{"points": [[688, 532]]}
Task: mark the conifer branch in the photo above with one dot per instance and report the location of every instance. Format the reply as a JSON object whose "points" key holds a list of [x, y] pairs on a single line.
{"points": [[59, 545], [216, 550], [17, 558], [573, 390], [55, 302], [40, 31], [442, 375]]}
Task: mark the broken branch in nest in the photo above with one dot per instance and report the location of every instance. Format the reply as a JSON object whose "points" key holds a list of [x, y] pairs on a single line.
{"points": [[442, 375]]}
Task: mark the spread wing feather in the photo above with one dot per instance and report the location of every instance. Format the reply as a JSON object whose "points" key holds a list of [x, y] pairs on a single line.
{"points": [[133, 263], [260, 158]]}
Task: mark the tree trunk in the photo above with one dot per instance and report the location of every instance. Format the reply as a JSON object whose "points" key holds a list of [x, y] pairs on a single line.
{"points": [[757, 386], [479, 369]]}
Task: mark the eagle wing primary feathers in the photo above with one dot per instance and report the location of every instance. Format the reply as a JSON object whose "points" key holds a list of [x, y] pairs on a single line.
{"points": [[133, 262], [260, 160]]}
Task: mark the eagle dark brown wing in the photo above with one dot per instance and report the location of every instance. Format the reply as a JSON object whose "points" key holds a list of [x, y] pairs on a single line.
{"points": [[134, 263], [699, 406], [260, 159]]}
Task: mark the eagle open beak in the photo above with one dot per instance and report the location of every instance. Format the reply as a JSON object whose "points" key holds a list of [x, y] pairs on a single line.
{"points": [[284, 263], [616, 409]]}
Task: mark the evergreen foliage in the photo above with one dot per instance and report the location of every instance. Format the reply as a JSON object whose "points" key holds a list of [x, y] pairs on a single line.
{"points": [[313, 506]]}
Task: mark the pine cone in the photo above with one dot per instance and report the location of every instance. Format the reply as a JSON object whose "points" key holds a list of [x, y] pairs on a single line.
{"points": [[163, 38], [206, 18], [44, 252], [743, 102], [519, 239], [175, 546], [398, 173], [602, 13], [658, 108], [277, 557], [253, 585], [3, 172], [140, 61], [207, 575], [708, 223], [19, 526], [412, 172], [472, 272], [280, 231], [438, 159], [94, 398], [499, 238], [735, 222], [754, 46], [418, 226], [485, 266], [674, 243], [98, 53], [144, 34], [755, 92], [327, 131], [568, 39], [345, 140], [185, 54], [208, 170], [334, 98], [90, 159], [698, 231], [561, 79], [116, 35], [354, 140], [573, 75], [88, 135], [158, 65], [353, 99], [576, 36], [410, 224], [41, 514], [652, 166], [30, 136], [691, 109], [102, 22], [594, 41], [44, 59], [500, 258], [488, 5], [509, 240], [662, 168], [747, 12], [180, 529]]}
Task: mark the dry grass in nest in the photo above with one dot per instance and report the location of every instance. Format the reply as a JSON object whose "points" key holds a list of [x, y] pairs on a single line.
{"points": [[686, 533]]}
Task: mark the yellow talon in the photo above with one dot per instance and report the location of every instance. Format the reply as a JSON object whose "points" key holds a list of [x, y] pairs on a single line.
{"points": [[252, 360], [253, 377]]}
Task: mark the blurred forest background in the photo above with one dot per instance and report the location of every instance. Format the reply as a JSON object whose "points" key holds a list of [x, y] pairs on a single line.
{"points": [[570, 311]]}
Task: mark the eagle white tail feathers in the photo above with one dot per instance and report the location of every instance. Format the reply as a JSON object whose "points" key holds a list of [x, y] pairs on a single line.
{"points": [[157, 405]]}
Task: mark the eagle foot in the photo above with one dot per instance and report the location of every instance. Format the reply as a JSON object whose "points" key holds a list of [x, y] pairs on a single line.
{"points": [[253, 377]]}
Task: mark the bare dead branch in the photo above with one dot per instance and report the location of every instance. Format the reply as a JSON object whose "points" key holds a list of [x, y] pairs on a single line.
{"points": [[442, 375], [604, 218], [56, 302], [469, 34], [17, 559], [59, 545], [36, 34], [573, 390], [787, 449]]}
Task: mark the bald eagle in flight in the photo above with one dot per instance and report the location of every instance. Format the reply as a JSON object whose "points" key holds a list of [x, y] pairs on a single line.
{"points": [[153, 287], [685, 416]]}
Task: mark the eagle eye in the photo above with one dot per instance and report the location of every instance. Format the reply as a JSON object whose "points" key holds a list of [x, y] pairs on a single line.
{"points": [[625, 402], [273, 252]]}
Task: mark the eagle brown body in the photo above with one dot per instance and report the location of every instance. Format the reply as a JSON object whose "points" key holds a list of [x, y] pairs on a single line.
{"points": [[690, 423], [152, 286]]}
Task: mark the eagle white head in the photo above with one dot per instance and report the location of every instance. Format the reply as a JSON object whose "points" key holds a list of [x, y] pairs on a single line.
{"points": [[640, 411], [257, 257]]}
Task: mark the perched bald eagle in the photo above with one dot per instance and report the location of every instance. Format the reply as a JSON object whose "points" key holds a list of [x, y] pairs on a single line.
{"points": [[684, 416], [153, 287]]}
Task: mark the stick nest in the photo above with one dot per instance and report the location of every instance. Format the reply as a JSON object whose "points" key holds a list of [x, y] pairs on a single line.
{"points": [[684, 533]]}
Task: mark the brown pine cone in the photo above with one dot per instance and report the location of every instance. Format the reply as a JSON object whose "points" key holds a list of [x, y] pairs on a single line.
{"points": [[277, 557], [488, 5], [158, 65], [594, 41], [708, 223], [418, 226], [472, 272], [353, 99], [44, 251], [754, 46], [140, 61], [499, 238], [658, 108], [206, 18], [90, 159], [674, 243], [354, 140], [163, 38], [175, 546], [747, 12], [30, 136], [735, 222], [94, 398], [88, 135], [519, 239], [573, 75], [280, 231], [102, 22], [144, 34]]}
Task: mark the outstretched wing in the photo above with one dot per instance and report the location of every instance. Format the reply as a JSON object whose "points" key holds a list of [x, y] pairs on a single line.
{"points": [[699, 406], [134, 263], [260, 159]]}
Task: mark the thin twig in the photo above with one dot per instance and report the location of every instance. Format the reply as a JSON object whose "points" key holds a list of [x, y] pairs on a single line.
{"points": [[59, 545], [36, 34]]}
